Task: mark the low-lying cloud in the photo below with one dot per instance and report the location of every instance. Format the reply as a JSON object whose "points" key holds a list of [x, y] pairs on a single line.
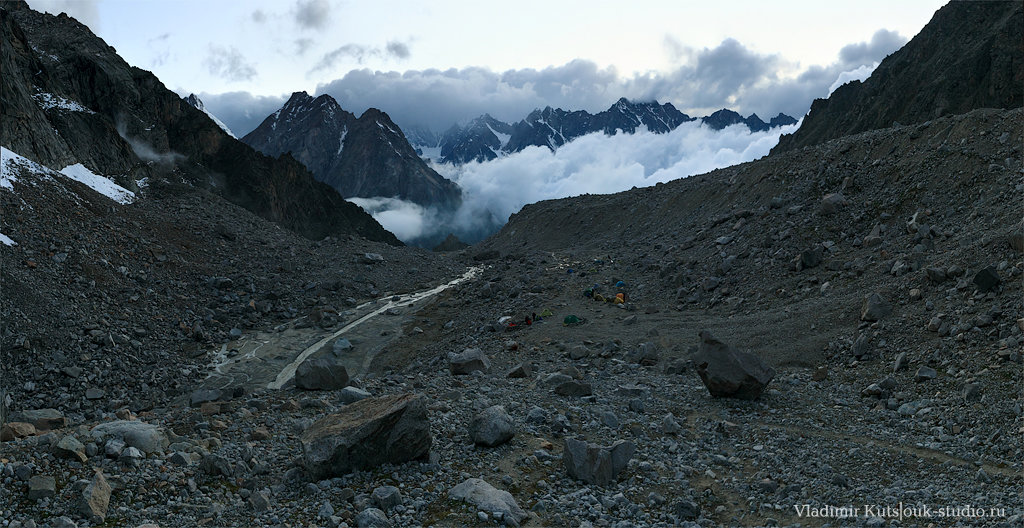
{"points": [[595, 163]]}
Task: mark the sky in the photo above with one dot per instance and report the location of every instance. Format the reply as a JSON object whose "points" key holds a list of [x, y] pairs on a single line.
{"points": [[435, 63]]}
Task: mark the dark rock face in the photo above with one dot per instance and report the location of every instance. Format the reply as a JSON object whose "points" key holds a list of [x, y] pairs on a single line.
{"points": [[480, 140], [728, 372], [364, 157], [370, 432], [69, 98], [967, 57]]}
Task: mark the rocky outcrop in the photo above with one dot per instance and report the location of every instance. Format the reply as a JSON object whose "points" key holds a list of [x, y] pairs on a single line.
{"points": [[69, 98], [363, 157], [968, 56], [370, 432]]}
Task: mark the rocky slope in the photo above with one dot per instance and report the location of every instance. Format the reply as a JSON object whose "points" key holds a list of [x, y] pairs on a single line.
{"points": [[969, 56], [486, 138], [69, 98], [879, 277], [360, 157], [913, 400]]}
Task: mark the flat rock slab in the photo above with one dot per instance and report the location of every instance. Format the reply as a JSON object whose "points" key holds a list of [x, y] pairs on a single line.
{"points": [[42, 419], [489, 499], [370, 432], [146, 437]]}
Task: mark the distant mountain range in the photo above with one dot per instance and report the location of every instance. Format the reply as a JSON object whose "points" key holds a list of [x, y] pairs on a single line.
{"points": [[486, 138], [367, 156]]}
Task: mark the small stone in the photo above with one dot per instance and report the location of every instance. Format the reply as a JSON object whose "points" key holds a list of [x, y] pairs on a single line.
{"points": [[595, 464], [901, 362], [669, 425], [93, 393], [468, 361], [14, 430], [522, 370], [372, 518], [875, 308], [861, 347], [972, 392], [352, 394], [925, 374], [686, 509], [832, 203], [70, 447], [574, 388], [820, 374], [486, 497], [41, 487], [987, 279], [259, 434], [259, 501], [492, 427], [95, 499], [387, 497]]}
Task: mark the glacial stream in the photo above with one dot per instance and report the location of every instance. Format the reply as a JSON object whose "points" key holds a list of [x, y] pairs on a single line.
{"points": [[268, 359]]}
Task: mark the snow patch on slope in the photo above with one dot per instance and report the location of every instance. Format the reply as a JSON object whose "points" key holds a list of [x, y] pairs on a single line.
{"points": [[49, 101], [100, 184], [6, 240]]}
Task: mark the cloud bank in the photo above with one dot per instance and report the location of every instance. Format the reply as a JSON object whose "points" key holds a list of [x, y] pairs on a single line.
{"points": [[594, 163], [729, 75]]}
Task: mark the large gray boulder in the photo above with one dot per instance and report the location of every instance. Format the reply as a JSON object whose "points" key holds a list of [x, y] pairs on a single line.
{"points": [[324, 373], [146, 437], [729, 372], [469, 361], [487, 498], [370, 432], [595, 464], [492, 427]]}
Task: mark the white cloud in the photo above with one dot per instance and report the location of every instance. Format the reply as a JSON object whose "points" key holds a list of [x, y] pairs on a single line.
{"points": [[858, 74], [595, 163]]}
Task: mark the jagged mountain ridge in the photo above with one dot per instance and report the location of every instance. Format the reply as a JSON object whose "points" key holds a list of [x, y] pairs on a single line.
{"points": [[69, 98], [485, 138], [367, 156], [970, 55]]}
